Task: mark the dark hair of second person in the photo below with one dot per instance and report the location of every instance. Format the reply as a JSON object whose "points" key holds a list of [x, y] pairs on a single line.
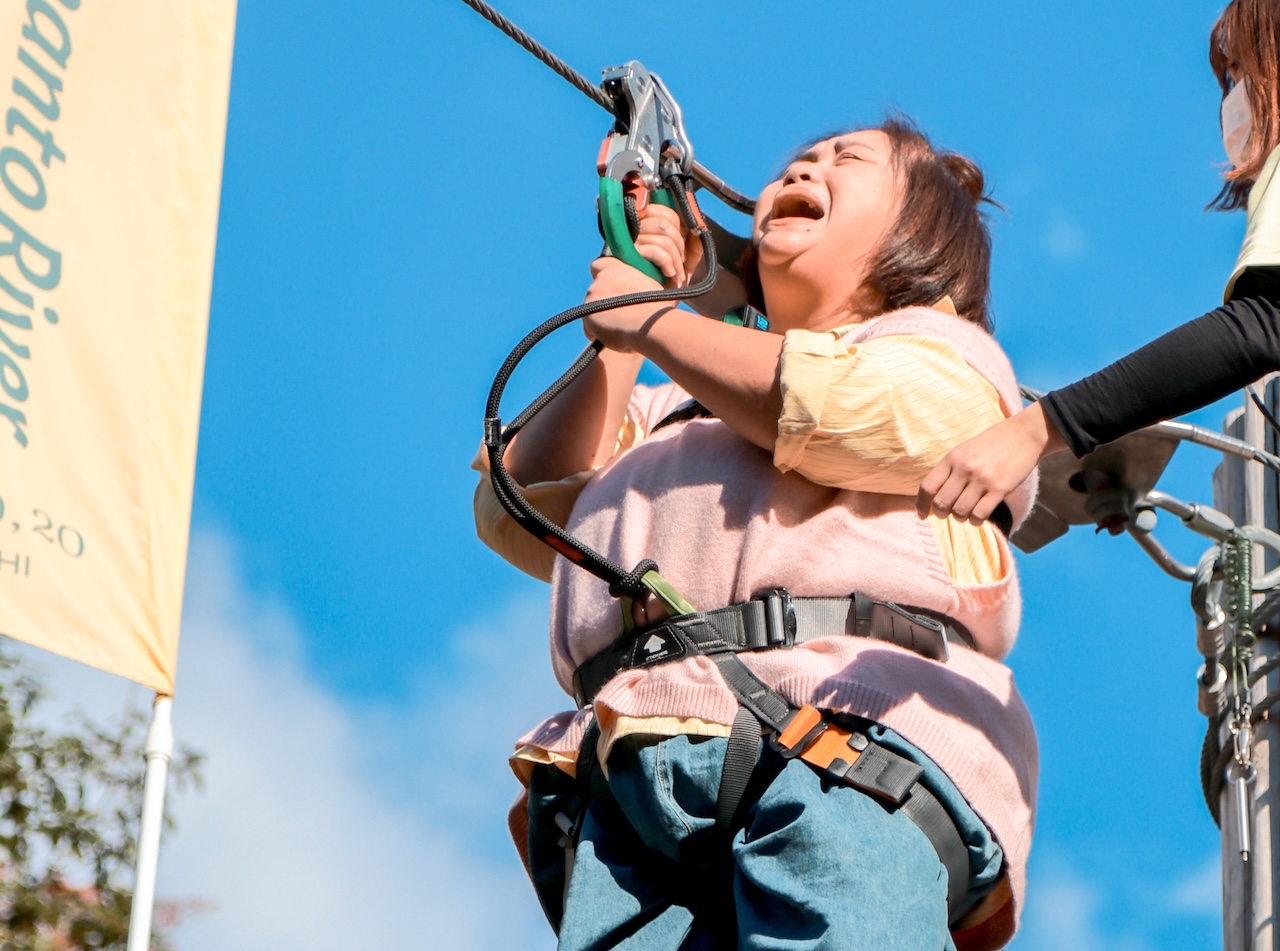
{"points": [[1246, 40]]}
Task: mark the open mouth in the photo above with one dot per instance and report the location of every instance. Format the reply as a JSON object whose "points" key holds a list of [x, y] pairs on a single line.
{"points": [[796, 205]]}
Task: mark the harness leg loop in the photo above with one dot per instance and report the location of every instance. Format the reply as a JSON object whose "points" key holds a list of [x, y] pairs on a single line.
{"points": [[740, 758]]}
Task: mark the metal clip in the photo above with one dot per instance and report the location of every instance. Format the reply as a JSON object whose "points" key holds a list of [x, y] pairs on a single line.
{"points": [[1242, 733], [1240, 777], [649, 124], [492, 432], [1242, 772], [569, 829]]}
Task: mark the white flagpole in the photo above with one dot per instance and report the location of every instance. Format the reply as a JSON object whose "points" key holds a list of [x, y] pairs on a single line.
{"points": [[159, 751]]}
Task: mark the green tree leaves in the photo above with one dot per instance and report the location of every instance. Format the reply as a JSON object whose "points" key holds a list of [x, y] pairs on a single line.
{"points": [[70, 810]]}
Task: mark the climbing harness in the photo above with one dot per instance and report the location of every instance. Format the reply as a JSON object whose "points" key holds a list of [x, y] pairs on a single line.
{"points": [[647, 157], [775, 620], [769, 621]]}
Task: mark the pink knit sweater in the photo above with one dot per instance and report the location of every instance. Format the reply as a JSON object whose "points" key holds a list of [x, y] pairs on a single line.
{"points": [[723, 523]]}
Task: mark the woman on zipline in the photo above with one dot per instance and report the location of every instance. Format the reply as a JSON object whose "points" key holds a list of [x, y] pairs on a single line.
{"points": [[1197, 363], [872, 257]]}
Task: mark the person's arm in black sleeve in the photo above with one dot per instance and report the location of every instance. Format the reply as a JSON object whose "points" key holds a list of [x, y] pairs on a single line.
{"points": [[1183, 370], [1187, 368]]}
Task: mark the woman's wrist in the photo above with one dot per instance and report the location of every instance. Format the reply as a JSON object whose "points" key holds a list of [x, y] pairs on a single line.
{"points": [[1040, 429]]}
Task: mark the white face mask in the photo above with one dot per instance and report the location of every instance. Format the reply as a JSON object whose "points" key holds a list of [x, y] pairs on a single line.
{"points": [[1237, 122]]}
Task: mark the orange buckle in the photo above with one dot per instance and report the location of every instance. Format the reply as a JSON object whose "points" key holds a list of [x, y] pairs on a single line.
{"points": [[820, 743], [803, 729]]}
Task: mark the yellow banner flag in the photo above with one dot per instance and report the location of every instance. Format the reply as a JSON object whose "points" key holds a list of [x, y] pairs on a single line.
{"points": [[110, 167]]}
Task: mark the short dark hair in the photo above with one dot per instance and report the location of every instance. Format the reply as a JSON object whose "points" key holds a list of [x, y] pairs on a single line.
{"points": [[1248, 34], [940, 245]]}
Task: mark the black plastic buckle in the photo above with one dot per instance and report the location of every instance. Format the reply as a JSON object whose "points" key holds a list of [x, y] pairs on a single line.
{"points": [[779, 617]]}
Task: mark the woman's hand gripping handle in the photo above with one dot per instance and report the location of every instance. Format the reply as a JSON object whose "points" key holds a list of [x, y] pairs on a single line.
{"points": [[664, 243]]}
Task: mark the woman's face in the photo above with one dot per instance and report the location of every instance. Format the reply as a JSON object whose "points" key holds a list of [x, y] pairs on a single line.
{"points": [[824, 219]]}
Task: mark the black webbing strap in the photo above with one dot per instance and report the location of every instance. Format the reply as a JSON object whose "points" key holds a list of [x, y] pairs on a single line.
{"points": [[894, 778], [586, 760], [570, 821], [845, 753], [689, 409], [773, 620], [768, 706], [924, 809], [740, 758], [875, 770]]}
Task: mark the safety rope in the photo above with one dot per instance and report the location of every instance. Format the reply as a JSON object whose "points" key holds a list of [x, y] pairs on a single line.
{"points": [[497, 437], [701, 174]]}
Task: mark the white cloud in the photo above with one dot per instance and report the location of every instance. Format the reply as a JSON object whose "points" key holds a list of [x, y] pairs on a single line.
{"points": [[1063, 238], [306, 836], [1069, 911], [1060, 914], [1200, 893]]}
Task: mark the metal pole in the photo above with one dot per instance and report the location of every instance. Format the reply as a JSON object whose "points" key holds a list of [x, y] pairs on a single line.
{"points": [[1263, 789], [158, 753], [1249, 895]]}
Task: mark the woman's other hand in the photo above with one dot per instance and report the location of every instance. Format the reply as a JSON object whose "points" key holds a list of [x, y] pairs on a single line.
{"points": [[619, 327], [975, 477]]}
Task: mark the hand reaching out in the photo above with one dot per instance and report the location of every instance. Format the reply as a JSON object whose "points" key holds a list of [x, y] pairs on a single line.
{"points": [[973, 478]]}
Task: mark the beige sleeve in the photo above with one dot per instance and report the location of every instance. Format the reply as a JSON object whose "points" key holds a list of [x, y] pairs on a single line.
{"points": [[554, 500], [878, 415], [497, 529], [1261, 245]]}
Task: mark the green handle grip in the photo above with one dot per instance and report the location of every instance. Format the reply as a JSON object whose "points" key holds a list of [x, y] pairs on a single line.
{"points": [[613, 222]]}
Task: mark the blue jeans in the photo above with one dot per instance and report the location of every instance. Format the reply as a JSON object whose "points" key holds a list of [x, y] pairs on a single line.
{"points": [[816, 864]]}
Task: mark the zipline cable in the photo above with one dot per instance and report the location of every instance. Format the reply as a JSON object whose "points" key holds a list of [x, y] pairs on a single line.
{"points": [[559, 66], [701, 174]]}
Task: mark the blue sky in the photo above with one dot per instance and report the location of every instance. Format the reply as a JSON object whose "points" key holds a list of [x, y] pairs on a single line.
{"points": [[406, 192]]}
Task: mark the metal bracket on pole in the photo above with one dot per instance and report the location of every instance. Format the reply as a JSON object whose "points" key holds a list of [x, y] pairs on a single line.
{"points": [[1238, 684], [158, 753]]}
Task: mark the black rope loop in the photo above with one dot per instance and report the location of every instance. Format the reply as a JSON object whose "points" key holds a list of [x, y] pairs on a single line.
{"points": [[497, 439], [631, 584]]}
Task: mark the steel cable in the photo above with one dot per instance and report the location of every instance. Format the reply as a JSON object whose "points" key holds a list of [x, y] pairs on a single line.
{"points": [[561, 68], [701, 174]]}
